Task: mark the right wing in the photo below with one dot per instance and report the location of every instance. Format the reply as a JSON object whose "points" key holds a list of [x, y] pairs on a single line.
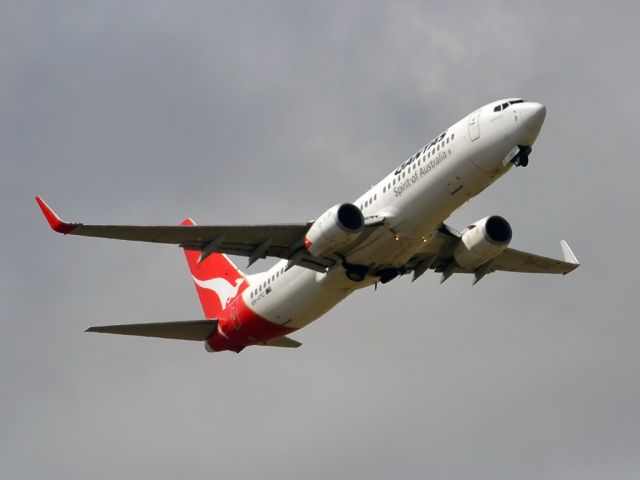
{"points": [[254, 241]]}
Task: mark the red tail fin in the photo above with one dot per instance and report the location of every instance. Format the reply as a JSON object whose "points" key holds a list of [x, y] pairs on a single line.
{"points": [[217, 279]]}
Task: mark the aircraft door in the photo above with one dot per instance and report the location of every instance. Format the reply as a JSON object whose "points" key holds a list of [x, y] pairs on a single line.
{"points": [[474, 125]]}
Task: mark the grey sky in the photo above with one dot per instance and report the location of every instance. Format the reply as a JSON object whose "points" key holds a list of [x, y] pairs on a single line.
{"points": [[241, 112]]}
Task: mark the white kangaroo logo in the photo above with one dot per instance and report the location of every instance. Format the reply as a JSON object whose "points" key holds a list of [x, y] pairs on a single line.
{"points": [[221, 287]]}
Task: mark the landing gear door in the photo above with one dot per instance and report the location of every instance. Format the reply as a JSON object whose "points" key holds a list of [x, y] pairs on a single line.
{"points": [[474, 125]]}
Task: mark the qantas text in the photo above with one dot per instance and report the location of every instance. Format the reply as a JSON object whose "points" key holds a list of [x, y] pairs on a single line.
{"points": [[417, 175]]}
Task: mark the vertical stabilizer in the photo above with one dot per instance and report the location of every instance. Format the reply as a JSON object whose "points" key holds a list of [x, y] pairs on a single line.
{"points": [[217, 279]]}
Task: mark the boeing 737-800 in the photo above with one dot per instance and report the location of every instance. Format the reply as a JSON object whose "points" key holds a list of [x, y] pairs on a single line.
{"points": [[394, 228]]}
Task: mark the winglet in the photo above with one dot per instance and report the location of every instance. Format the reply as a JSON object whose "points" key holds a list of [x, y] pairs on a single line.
{"points": [[56, 223], [568, 255]]}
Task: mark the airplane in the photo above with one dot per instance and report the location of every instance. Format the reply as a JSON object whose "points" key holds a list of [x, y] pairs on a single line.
{"points": [[395, 228]]}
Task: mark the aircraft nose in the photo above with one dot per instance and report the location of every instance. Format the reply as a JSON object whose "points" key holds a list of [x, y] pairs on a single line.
{"points": [[532, 116]]}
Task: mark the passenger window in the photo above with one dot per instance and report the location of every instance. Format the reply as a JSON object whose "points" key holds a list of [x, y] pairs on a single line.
{"points": [[375, 197], [452, 135]]}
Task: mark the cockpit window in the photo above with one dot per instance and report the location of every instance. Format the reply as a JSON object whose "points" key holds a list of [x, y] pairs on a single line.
{"points": [[499, 108]]}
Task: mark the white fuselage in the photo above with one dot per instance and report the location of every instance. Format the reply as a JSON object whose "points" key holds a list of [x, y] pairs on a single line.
{"points": [[414, 200]]}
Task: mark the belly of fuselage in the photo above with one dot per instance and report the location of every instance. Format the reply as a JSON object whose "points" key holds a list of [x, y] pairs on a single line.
{"points": [[304, 296]]}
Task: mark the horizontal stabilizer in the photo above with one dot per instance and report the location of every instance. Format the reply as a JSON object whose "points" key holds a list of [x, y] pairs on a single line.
{"points": [[186, 330], [285, 342]]}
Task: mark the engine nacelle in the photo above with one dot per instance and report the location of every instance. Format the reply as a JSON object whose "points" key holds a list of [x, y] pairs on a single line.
{"points": [[482, 241], [334, 229]]}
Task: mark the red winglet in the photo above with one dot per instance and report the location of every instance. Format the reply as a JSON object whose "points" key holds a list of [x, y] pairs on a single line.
{"points": [[54, 220]]}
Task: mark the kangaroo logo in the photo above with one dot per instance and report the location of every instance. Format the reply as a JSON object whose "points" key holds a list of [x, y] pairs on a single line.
{"points": [[221, 287]]}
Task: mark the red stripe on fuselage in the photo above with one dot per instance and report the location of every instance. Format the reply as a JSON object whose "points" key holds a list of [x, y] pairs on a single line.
{"points": [[240, 327]]}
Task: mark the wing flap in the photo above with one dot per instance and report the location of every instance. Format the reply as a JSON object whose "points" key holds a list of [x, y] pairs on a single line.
{"points": [[242, 238], [195, 330]]}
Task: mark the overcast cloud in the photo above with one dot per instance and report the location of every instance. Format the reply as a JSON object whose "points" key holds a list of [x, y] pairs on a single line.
{"points": [[243, 112]]}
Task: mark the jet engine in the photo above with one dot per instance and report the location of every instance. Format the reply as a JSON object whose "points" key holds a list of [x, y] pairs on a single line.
{"points": [[334, 229], [482, 241]]}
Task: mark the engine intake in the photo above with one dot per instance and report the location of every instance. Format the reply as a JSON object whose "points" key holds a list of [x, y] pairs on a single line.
{"points": [[336, 228], [482, 241]]}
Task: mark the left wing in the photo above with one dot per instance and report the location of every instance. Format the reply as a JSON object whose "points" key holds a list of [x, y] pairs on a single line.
{"points": [[512, 260], [438, 256], [253, 241]]}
